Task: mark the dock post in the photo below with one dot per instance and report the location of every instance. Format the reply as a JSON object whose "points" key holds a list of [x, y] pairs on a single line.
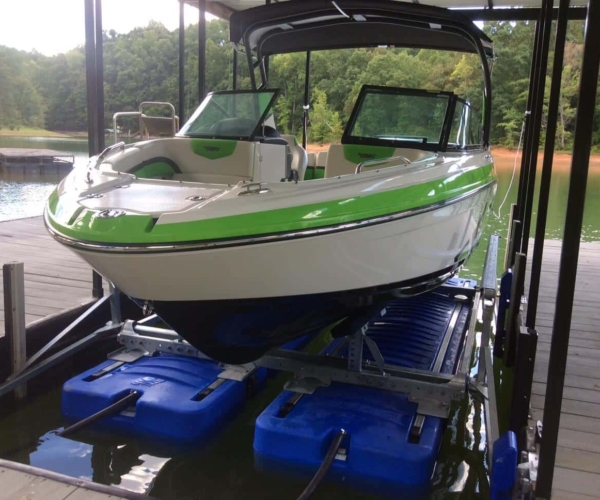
{"points": [[509, 238], [14, 318], [512, 325], [97, 290], [523, 380]]}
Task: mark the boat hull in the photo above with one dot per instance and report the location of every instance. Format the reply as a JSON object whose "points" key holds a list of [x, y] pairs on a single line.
{"points": [[235, 302]]}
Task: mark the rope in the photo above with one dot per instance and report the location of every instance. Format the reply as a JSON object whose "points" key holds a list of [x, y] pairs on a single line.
{"points": [[512, 178]]}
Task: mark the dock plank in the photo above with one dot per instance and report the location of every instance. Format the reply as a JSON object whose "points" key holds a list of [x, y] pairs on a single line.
{"points": [[23, 482], [55, 278], [577, 469], [44, 488]]}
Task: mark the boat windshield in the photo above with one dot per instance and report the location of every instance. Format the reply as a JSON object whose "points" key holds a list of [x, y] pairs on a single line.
{"points": [[231, 114], [397, 117]]}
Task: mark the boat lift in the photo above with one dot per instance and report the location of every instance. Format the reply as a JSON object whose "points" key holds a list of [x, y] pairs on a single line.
{"points": [[432, 391]]}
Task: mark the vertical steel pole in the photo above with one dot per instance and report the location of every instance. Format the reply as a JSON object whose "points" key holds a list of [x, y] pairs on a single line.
{"points": [[90, 69], [181, 60], [235, 69], [306, 100], [567, 274], [93, 117], [542, 212], [536, 122], [99, 76], [201, 50], [14, 319], [525, 154], [266, 61]]}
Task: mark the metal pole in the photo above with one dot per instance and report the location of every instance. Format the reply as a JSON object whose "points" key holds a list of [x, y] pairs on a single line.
{"points": [[235, 69], [536, 123], [201, 50], [90, 68], [542, 212], [181, 60], [14, 318], [525, 155], [267, 2], [306, 100], [570, 249], [99, 77]]}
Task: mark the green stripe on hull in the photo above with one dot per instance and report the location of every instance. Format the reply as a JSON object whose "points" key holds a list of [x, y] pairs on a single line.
{"points": [[140, 229]]}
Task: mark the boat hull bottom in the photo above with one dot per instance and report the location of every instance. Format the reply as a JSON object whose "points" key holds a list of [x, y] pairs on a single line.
{"points": [[241, 331]]}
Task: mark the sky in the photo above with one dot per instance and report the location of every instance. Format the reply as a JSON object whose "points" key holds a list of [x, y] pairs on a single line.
{"points": [[55, 26]]}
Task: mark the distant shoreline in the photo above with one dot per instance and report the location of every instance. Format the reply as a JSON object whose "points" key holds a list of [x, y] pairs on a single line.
{"points": [[28, 132]]}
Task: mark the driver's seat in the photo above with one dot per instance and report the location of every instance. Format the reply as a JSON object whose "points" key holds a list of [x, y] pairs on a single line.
{"points": [[299, 156]]}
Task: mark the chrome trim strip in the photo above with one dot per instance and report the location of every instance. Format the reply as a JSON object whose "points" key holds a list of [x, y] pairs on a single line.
{"points": [[189, 246]]}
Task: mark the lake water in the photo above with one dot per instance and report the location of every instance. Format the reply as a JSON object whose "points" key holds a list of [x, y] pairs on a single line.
{"points": [[225, 469]]}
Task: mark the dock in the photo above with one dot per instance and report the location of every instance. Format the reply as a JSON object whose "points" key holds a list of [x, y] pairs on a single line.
{"points": [[34, 161], [20, 482], [577, 471], [55, 278]]}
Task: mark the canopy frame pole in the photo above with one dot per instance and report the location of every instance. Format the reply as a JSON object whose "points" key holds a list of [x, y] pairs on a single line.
{"points": [[567, 275], [544, 197], [306, 105], [181, 61], [201, 50], [536, 122]]}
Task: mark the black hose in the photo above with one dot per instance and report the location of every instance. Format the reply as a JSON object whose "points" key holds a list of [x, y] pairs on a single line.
{"points": [[116, 407], [327, 461]]}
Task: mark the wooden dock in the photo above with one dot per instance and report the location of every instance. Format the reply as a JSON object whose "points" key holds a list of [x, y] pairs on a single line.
{"points": [[55, 278], [34, 161], [577, 472], [24, 482]]}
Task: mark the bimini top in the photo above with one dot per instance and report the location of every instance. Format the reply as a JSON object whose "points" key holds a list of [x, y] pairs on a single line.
{"points": [[296, 26]]}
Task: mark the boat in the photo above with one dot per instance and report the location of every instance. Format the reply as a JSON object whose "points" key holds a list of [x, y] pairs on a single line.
{"points": [[219, 231]]}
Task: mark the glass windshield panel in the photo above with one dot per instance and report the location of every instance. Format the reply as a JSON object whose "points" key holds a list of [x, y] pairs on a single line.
{"points": [[465, 130], [401, 117], [229, 115]]}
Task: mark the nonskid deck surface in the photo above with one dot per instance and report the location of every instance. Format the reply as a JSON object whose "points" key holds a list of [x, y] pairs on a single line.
{"points": [[379, 454]]}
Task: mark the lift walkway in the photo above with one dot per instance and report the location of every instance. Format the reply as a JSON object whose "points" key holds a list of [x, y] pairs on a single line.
{"points": [[577, 472], [55, 278]]}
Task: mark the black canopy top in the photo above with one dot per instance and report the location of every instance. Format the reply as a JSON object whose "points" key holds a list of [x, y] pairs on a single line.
{"points": [[301, 25]]}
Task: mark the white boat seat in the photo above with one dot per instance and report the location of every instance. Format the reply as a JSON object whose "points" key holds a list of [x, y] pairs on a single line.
{"points": [[343, 160], [321, 159], [299, 156], [312, 159]]}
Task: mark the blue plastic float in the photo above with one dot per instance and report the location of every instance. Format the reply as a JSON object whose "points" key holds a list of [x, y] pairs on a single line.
{"points": [[178, 405], [378, 453]]}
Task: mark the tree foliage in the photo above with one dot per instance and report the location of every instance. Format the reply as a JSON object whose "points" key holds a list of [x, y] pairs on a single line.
{"points": [[142, 65]]}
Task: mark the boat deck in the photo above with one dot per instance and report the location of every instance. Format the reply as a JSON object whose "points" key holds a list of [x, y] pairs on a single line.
{"points": [[55, 278], [25, 482], [577, 472]]}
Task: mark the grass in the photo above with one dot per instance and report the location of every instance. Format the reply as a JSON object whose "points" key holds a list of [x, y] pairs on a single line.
{"points": [[30, 132]]}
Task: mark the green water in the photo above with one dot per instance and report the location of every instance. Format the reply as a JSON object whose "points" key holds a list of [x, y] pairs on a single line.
{"points": [[225, 468]]}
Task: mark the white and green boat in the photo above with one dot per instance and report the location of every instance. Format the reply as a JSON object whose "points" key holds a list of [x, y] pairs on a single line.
{"points": [[221, 231]]}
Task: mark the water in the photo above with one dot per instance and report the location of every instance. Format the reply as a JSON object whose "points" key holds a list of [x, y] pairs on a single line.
{"points": [[25, 196], [225, 469]]}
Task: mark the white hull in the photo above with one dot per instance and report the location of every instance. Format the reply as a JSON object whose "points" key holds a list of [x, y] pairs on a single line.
{"points": [[386, 253]]}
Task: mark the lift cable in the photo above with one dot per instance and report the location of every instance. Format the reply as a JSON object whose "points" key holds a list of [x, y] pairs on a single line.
{"points": [[325, 465]]}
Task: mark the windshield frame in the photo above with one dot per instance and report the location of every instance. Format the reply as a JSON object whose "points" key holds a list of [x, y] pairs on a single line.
{"points": [[347, 138], [255, 132]]}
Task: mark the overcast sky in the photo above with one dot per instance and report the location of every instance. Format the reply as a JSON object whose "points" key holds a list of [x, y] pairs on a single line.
{"points": [[54, 26]]}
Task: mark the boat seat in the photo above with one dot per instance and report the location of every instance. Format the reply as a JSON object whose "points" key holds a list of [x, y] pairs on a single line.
{"points": [[321, 159], [299, 156], [342, 159]]}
